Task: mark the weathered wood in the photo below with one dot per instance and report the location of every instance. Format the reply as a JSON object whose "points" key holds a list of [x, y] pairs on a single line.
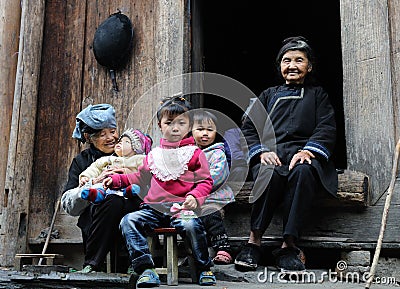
{"points": [[72, 79], [370, 132], [81, 81], [10, 13], [20, 154], [60, 91], [169, 252], [384, 215], [45, 269], [50, 259], [394, 24], [353, 190], [349, 225]]}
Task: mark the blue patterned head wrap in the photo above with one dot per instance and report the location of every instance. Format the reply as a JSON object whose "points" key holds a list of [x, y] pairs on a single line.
{"points": [[94, 118]]}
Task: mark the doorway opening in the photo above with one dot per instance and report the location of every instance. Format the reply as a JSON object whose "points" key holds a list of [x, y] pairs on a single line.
{"points": [[241, 40]]}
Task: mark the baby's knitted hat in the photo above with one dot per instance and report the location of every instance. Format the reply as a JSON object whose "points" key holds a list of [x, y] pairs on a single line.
{"points": [[141, 142]]}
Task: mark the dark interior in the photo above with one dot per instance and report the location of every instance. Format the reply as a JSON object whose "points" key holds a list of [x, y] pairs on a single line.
{"points": [[241, 39]]}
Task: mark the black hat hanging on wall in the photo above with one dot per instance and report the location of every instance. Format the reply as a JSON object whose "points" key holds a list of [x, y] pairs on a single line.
{"points": [[113, 43]]}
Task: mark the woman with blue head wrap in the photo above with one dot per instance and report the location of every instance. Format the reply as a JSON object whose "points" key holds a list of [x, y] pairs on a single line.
{"points": [[93, 119], [97, 126]]}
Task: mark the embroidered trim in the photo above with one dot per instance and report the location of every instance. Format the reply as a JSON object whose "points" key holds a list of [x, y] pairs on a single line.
{"points": [[287, 97], [317, 147], [256, 149], [170, 164]]}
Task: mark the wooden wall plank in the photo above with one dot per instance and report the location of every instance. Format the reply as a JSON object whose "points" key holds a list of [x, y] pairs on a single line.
{"points": [[144, 69], [367, 92], [353, 224], [20, 157], [394, 24], [71, 79], [10, 17], [59, 100]]}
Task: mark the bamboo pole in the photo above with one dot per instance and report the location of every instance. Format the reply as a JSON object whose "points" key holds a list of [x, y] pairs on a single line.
{"points": [[384, 216]]}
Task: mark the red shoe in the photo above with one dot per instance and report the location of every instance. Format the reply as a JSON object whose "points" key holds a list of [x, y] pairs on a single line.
{"points": [[222, 258]]}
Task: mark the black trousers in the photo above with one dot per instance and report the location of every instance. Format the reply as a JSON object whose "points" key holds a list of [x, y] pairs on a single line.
{"points": [[101, 231], [216, 232], [295, 192]]}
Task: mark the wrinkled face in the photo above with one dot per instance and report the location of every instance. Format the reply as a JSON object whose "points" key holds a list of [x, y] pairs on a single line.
{"points": [[124, 147], [295, 66], [174, 127], [204, 133], [105, 140]]}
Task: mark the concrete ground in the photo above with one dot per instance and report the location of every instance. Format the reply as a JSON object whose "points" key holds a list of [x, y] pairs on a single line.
{"points": [[227, 278]]}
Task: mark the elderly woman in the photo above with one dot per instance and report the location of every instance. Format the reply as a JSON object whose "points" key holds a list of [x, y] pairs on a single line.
{"points": [[303, 122], [96, 125]]}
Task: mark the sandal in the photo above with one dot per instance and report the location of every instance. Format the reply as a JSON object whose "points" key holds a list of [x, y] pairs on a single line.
{"points": [[207, 278], [288, 260], [302, 256], [248, 257], [87, 269], [149, 278], [222, 258]]}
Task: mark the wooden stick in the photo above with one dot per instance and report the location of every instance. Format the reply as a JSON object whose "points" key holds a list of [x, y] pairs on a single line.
{"points": [[50, 229], [384, 216]]}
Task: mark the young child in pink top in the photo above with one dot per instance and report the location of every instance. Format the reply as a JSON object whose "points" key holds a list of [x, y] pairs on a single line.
{"points": [[178, 177]]}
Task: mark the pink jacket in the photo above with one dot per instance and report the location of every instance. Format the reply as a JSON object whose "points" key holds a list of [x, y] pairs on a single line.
{"points": [[174, 171]]}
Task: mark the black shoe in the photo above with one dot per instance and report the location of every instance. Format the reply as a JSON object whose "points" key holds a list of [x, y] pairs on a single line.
{"points": [[288, 260], [248, 257]]}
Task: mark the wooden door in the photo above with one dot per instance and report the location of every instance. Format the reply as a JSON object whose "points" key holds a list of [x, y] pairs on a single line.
{"points": [[70, 79]]}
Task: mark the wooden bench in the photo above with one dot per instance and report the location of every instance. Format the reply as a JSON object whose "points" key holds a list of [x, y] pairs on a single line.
{"points": [[169, 252], [353, 195], [51, 259], [353, 190]]}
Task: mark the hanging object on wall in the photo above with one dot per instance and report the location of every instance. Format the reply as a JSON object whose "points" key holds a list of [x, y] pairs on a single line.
{"points": [[113, 44]]}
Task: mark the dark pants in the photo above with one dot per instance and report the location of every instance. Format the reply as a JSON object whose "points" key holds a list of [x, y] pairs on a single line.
{"points": [[216, 232], [134, 228], [102, 232], [295, 192]]}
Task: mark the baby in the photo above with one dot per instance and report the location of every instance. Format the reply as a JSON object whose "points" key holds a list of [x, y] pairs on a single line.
{"points": [[129, 152]]}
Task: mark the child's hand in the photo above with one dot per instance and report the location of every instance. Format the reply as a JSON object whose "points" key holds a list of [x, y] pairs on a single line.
{"points": [[106, 173], [83, 181], [107, 182], [119, 171], [100, 178], [190, 203]]}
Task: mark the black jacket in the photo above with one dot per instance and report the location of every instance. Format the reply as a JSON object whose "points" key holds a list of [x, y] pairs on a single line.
{"points": [[82, 161], [300, 117]]}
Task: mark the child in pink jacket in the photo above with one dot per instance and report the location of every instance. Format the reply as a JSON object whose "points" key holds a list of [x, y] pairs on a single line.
{"points": [[179, 181]]}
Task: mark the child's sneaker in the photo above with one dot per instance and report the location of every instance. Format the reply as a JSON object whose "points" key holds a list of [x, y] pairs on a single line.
{"points": [[149, 278], [207, 278]]}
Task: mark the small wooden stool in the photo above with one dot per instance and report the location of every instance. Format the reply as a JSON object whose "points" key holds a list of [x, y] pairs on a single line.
{"points": [[51, 259], [170, 246]]}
